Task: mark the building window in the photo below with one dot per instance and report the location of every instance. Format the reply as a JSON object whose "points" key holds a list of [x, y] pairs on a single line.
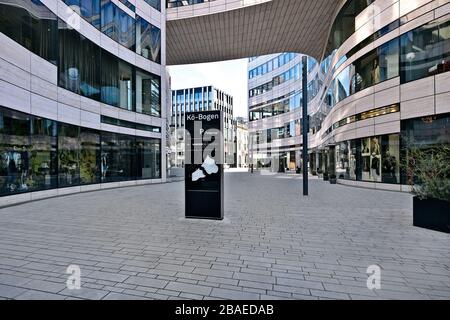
{"points": [[110, 158], [44, 33], [155, 96], [43, 156], [127, 29], [89, 67], [425, 51], [68, 155], [148, 158], [69, 58], [14, 148], [156, 4], [109, 79], [90, 156], [15, 22], [127, 157], [423, 133], [143, 92], [378, 65], [90, 10], [110, 20], [148, 40], [371, 159], [126, 85], [39, 154]]}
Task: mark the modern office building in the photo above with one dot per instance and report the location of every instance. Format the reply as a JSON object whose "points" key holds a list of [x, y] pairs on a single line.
{"points": [[242, 141], [382, 86], [83, 85], [275, 97], [206, 98], [82, 96]]}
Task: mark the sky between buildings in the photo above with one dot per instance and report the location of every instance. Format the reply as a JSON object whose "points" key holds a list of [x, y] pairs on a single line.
{"points": [[229, 76]]}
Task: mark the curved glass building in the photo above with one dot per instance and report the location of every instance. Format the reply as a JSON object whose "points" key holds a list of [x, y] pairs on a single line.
{"points": [[382, 85], [81, 91]]}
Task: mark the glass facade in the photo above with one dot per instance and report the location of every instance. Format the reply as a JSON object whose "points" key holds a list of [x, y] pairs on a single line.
{"points": [[39, 154], [425, 51], [363, 116], [148, 40], [371, 159], [282, 105], [83, 67], [292, 74], [181, 3], [156, 4], [424, 132], [378, 65], [68, 155], [34, 26], [273, 64], [344, 24], [90, 156], [288, 130]]}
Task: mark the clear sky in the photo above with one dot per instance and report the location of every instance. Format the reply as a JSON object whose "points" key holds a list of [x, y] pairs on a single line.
{"points": [[229, 76]]}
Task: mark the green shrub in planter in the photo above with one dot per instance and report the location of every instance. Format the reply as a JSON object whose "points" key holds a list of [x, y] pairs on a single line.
{"points": [[428, 174], [314, 173]]}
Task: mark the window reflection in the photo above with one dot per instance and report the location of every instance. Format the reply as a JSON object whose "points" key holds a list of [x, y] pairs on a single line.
{"points": [[372, 159], [39, 154], [425, 51], [68, 155]]}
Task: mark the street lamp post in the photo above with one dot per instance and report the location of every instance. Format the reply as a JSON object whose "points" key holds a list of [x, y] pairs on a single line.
{"points": [[305, 123]]}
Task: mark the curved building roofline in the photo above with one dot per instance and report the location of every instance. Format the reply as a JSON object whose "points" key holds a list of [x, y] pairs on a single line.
{"points": [[229, 29]]}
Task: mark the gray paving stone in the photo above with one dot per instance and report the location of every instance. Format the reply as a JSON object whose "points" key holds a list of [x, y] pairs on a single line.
{"points": [[47, 286], [12, 280], [300, 283], [109, 276], [273, 243], [122, 296], [215, 273], [85, 293], [10, 291], [257, 285], [189, 288], [136, 292], [222, 280], [191, 296], [156, 296], [12, 262], [254, 277], [291, 289], [146, 282], [330, 294], [39, 295], [234, 295]]}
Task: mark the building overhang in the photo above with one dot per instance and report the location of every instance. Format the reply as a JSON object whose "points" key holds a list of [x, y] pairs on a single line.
{"points": [[229, 29]]}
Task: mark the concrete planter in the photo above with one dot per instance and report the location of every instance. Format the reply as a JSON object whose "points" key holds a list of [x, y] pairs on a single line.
{"points": [[431, 214]]}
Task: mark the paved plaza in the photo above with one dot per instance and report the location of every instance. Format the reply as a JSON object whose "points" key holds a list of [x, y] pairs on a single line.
{"points": [[134, 243]]}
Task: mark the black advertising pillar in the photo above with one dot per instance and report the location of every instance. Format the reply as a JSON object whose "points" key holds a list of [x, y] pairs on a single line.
{"points": [[204, 155]]}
